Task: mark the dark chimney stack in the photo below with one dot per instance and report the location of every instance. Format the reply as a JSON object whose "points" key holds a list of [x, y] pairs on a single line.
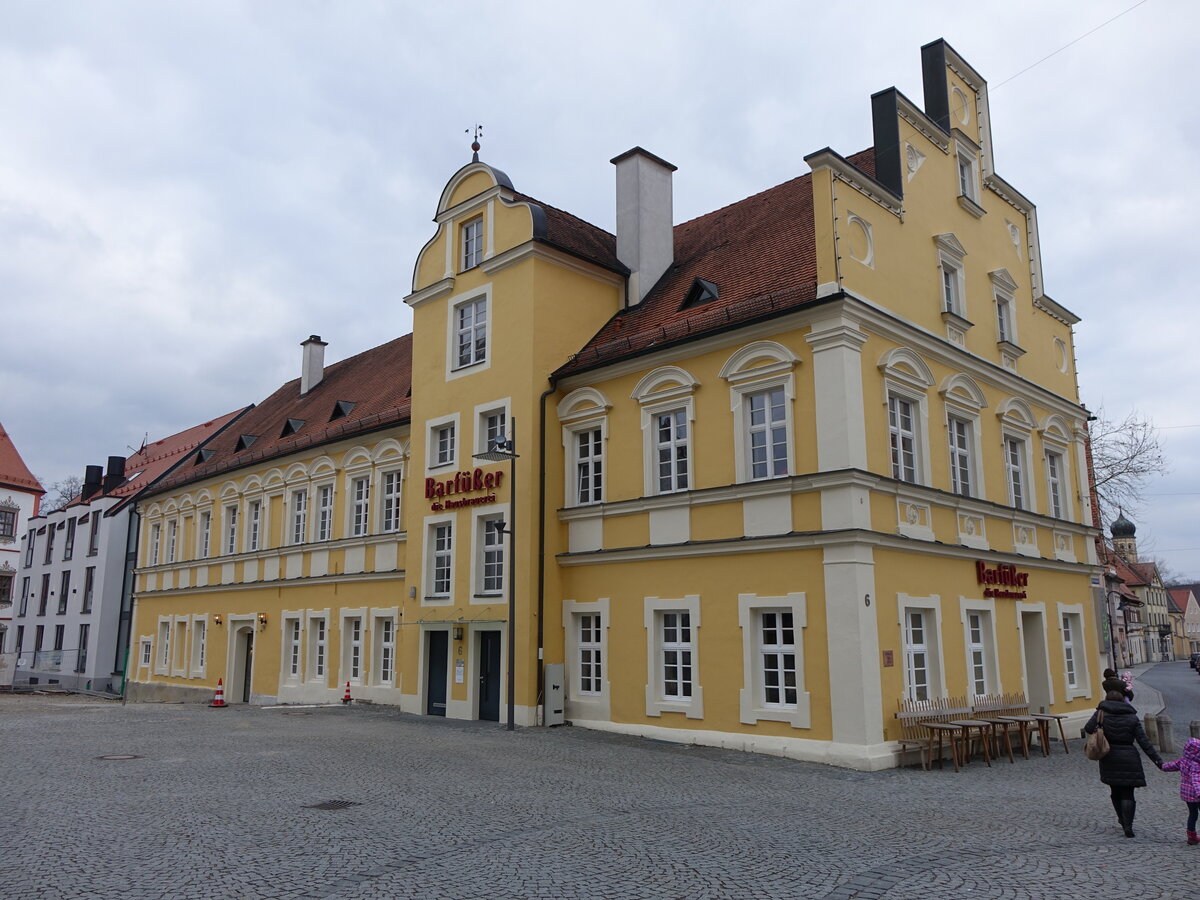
{"points": [[115, 474], [92, 480]]}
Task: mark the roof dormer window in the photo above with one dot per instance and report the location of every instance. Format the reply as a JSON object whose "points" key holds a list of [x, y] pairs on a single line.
{"points": [[472, 243], [244, 441], [203, 456], [291, 426], [341, 409], [701, 291]]}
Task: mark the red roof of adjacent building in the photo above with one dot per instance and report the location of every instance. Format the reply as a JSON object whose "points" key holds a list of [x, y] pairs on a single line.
{"points": [[360, 394], [13, 471], [760, 253], [1179, 599]]}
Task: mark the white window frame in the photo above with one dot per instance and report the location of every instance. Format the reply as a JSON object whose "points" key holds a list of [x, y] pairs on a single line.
{"points": [[255, 510], [162, 660], [293, 639], [172, 539], [963, 457], [199, 655], [298, 524], [316, 663], [354, 660], [145, 652], [471, 243], [383, 646], [358, 504], [657, 701], [986, 646], [587, 706], [897, 402], [435, 458], [585, 409], [1073, 613], [931, 610], [432, 553], [590, 662], [747, 374], [325, 506], [485, 541], [204, 538], [155, 542], [453, 369], [966, 171], [1017, 465], [229, 528], [391, 491], [594, 463], [752, 702], [952, 282], [666, 390], [483, 413]]}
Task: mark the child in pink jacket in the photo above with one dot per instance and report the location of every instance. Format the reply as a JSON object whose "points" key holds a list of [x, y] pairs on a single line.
{"points": [[1188, 767]]}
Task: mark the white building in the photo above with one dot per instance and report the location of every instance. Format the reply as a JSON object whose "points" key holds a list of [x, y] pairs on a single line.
{"points": [[20, 494], [72, 610]]}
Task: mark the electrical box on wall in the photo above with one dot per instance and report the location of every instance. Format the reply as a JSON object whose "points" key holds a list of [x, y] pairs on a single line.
{"points": [[555, 695]]}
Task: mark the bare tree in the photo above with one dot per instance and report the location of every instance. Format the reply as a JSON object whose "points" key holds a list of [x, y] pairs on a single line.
{"points": [[60, 493], [1125, 454]]}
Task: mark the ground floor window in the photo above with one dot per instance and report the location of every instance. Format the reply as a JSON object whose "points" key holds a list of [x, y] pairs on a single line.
{"points": [[922, 661], [316, 647], [590, 654], [673, 656]]}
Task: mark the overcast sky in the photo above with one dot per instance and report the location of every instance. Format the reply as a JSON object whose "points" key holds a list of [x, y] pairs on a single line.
{"points": [[189, 189]]}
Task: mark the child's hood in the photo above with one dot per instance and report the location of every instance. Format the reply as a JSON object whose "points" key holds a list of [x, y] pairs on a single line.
{"points": [[1191, 750]]}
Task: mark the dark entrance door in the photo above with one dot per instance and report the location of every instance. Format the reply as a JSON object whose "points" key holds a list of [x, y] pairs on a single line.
{"points": [[489, 675], [435, 673], [247, 666]]}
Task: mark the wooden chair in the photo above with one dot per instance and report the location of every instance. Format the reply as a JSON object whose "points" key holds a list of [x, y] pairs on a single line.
{"points": [[923, 722], [988, 707]]}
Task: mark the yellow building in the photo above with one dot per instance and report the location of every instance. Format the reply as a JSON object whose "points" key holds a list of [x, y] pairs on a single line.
{"points": [[777, 467]]}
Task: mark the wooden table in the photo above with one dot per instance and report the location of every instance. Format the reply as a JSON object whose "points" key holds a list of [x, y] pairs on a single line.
{"points": [[936, 730], [1003, 725], [1023, 723], [984, 728]]}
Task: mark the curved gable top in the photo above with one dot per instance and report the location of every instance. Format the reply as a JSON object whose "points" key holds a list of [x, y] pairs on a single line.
{"points": [[583, 401], [1056, 427], [906, 366], [761, 356], [1016, 411], [963, 390], [664, 381], [495, 176]]}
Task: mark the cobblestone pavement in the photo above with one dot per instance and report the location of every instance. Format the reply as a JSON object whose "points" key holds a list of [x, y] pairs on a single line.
{"points": [[220, 805]]}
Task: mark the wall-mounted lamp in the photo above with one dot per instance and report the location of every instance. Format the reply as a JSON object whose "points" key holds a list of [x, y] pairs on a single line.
{"points": [[458, 632], [217, 620], [262, 621]]}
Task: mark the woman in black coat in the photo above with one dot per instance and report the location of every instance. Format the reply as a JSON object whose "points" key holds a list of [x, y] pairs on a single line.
{"points": [[1121, 767]]}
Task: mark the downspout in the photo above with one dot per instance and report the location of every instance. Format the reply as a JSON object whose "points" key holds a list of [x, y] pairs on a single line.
{"points": [[541, 555], [125, 625]]}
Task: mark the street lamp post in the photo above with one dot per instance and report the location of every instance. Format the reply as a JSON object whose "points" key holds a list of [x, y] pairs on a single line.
{"points": [[499, 449]]}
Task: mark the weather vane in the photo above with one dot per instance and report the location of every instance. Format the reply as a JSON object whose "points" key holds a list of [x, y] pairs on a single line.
{"points": [[478, 129]]}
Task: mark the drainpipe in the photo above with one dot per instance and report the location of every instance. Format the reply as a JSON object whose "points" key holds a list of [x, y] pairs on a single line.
{"points": [[541, 555]]}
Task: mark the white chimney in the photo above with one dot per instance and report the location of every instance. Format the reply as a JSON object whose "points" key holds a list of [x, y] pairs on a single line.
{"points": [[645, 232], [312, 367]]}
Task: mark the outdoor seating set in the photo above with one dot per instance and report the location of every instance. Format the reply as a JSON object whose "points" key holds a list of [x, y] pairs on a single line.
{"points": [[985, 723]]}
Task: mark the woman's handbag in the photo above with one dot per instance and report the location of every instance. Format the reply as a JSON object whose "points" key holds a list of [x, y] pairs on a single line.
{"points": [[1096, 745]]}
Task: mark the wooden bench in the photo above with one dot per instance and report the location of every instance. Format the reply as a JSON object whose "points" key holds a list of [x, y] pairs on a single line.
{"points": [[1014, 707], [922, 722], [993, 708]]}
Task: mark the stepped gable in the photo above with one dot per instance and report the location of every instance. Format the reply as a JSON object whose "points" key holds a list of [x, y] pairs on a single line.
{"points": [[573, 235], [13, 471], [377, 382], [760, 253]]}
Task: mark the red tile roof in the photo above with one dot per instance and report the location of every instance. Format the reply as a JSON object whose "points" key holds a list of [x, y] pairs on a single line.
{"points": [[1179, 599], [377, 381], [575, 236], [13, 471], [761, 254]]}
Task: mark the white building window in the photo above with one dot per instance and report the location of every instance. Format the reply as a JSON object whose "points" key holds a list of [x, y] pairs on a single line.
{"points": [[385, 650], [1075, 671], [967, 182], [981, 655], [591, 655], [164, 647], [766, 434], [441, 560], [962, 455], [146, 651], [352, 639], [589, 466], [493, 426], [155, 541], [1054, 483], [777, 658], [317, 646], [902, 431], [472, 243], [672, 450], [1068, 634], [172, 539], [360, 492], [231, 517], [254, 534], [391, 501], [470, 332], [299, 516], [1005, 322], [442, 445], [922, 650], [676, 655], [1014, 467], [205, 534], [672, 628], [773, 659], [490, 565], [324, 512], [199, 646], [293, 648]]}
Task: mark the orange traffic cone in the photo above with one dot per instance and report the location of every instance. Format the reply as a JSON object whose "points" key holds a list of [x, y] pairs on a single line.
{"points": [[347, 698], [218, 701]]}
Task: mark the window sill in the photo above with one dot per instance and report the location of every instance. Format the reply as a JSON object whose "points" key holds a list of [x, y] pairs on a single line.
{"points": [[498, 595], [971, 206], [959, 322]]}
